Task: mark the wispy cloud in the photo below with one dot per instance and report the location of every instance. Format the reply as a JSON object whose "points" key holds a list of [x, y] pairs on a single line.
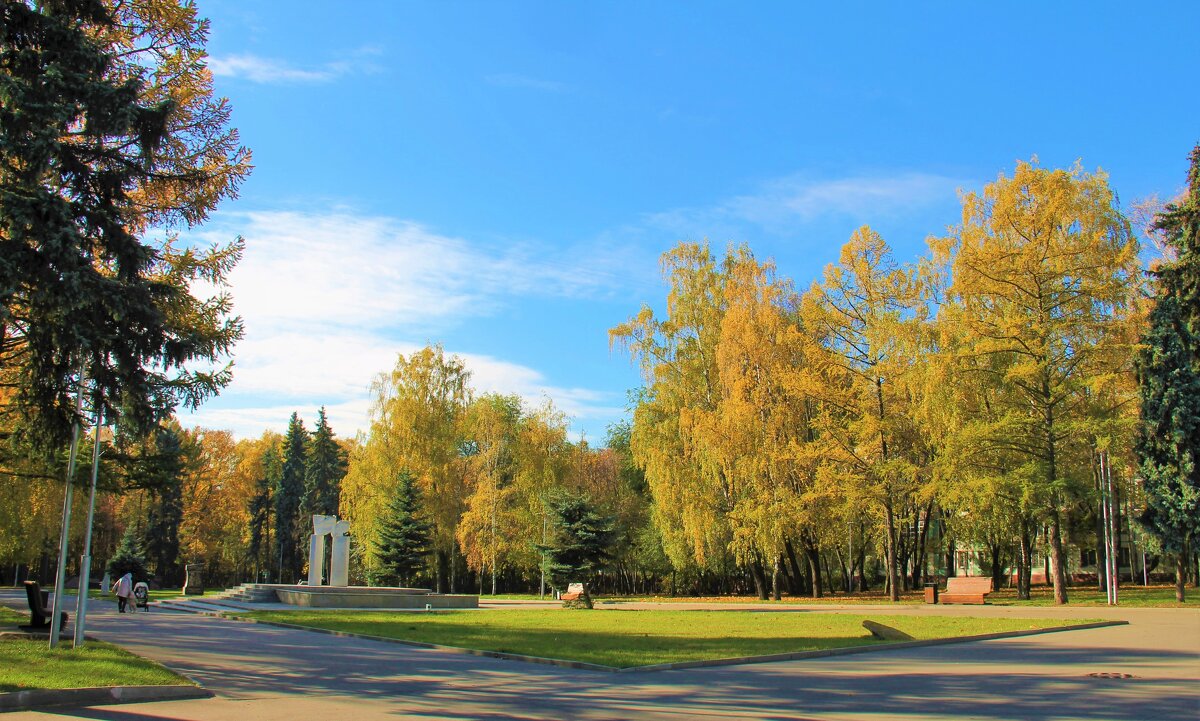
{"points": [[780, 204], [273, 71], [341, 269], [330, 300], [515, 80]]}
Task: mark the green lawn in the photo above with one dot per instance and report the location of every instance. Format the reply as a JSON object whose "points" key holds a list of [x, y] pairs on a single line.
{"points": [[875, 597], [29, 663], [640, 638], [1131, 596]]}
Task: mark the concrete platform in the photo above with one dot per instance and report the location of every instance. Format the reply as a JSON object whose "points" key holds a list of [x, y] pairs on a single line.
{"points": [[371, 597]]}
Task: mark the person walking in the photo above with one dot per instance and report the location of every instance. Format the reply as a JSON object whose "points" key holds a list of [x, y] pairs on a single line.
{"points": [[124, 591]]}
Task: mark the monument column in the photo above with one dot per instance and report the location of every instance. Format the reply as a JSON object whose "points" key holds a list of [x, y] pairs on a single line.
{"points": [[339, 573], [322, 527]]}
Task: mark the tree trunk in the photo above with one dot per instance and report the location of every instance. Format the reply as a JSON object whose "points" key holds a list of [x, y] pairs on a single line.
{"points": [[1058, 559], [997, 570], [796, 578], [813, 554], [829, 575], [863, 585], [890, 529], [1025, 565], [918, 569], [775, 594], [951, 550], [1181, 572], [760, 581]]}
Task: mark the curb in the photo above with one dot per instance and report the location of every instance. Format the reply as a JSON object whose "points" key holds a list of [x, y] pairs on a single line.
{"points": [[851, 650], [737, 661], [102, 696]]}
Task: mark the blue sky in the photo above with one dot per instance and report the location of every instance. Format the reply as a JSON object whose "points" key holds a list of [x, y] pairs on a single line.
{"points": [[502, 178]]}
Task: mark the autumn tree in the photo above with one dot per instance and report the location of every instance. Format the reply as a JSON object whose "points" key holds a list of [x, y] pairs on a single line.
{"points": [[1044, 268], [486, 532], [1168, 446], [860, 314], [416, 417], [677, 356], [217, 497]]}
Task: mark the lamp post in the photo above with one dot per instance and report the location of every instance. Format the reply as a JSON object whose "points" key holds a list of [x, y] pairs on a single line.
{"points": [[64, 537], [85, 562]]}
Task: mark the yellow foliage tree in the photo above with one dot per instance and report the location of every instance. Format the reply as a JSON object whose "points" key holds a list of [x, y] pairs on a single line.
{"points": [[1045, 271], [861, 313], [416, 423]]}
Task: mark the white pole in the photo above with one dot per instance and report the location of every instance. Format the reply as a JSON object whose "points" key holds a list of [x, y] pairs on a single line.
{"points": [[1113, 535], [85, 566], [60, 577], [1104, 515]]}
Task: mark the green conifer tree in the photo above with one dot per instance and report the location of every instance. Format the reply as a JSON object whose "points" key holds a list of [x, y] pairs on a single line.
{"points": [[1169, 443], [580, 544], [91, 149], [259, 508], [128, 558], [402, 536], [325, 467], [290, 529]]}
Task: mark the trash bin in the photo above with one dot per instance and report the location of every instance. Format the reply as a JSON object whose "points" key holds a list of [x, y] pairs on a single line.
{"points": [[931, 592]]}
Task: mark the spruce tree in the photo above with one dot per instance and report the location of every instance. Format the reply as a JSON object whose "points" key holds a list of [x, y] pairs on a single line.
{"points": [[156, 465], [580, 544], [93, 153], [128, 558], [325, 467], [259, 510], [402, 536], [290, 529], [1168, 446]]}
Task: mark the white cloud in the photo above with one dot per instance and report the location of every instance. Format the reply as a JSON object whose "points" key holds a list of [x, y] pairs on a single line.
{"points": [[272, 71], [780, 204], [344, 270], [330, 300], [337, 371]]}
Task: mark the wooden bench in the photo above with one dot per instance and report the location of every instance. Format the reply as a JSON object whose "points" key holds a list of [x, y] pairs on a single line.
{"points": [[39, 615], [574, 592], [966, 589]]}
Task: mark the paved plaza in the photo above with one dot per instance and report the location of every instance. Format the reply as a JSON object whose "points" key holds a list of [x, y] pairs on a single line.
{"points": [[270, 673]]}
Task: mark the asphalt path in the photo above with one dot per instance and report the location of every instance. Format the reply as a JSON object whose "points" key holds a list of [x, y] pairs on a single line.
{"points": [[270, 673]]}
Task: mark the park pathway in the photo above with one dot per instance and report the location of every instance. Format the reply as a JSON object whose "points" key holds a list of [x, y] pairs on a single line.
{"points": [[275, 674]]}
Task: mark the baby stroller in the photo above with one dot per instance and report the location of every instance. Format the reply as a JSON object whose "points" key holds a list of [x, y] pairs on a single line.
{"points": [[141, 596]]}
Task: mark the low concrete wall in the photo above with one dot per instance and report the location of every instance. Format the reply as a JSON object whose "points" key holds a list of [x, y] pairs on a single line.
{"points": [[361, 597]]}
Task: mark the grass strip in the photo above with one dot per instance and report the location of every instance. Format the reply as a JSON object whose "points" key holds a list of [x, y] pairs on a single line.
{"points": [[31, 664], [1040, 596], [624, 639]]}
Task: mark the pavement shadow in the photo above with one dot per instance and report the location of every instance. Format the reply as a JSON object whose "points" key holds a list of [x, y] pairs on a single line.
{"points": [[242, 661]]}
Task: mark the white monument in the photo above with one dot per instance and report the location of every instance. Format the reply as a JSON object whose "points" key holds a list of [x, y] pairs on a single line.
{"points": [[339, 572]]}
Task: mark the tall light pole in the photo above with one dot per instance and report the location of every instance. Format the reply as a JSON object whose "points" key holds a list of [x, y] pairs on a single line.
{"points": [[85, 562], [64, 537]]}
